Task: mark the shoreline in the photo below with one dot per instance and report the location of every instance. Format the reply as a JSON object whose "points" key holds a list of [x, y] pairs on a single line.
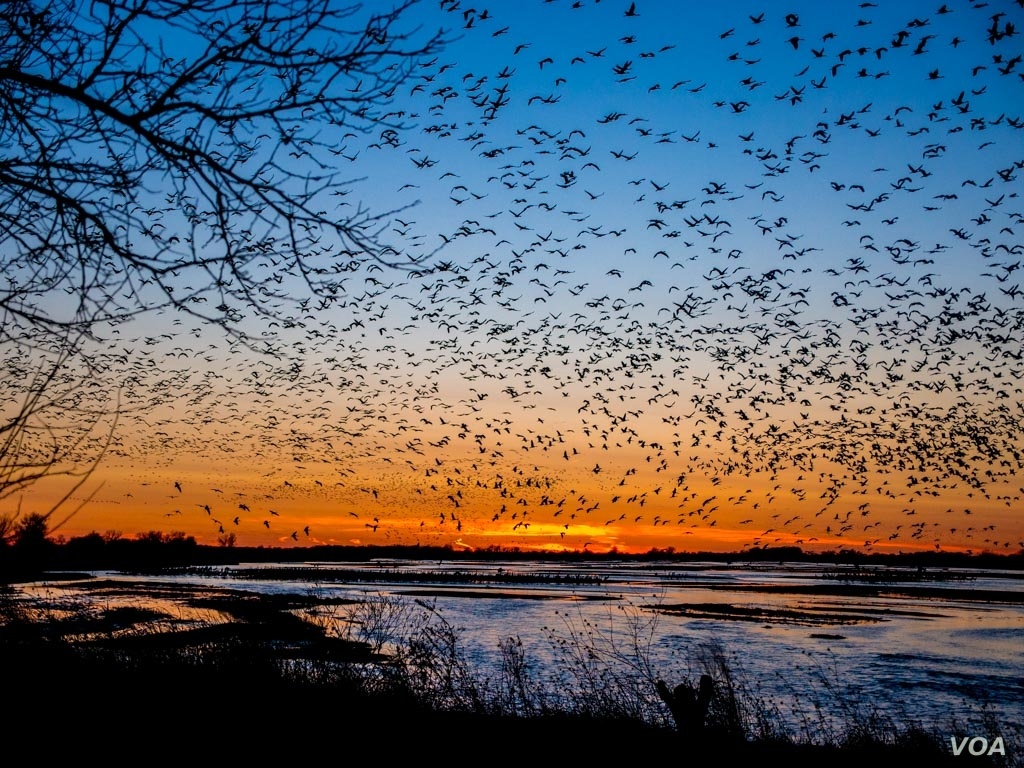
{"points": [[265, 663]]}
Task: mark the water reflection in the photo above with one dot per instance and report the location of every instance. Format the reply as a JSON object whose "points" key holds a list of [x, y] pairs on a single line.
{"points": [[915, 645]]}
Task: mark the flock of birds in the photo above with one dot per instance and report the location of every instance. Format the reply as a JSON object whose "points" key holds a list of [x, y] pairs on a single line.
{"points": [[719, 281]]}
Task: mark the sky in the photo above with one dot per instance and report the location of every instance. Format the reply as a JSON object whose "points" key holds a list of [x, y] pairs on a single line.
{"points": [[665, 275]]}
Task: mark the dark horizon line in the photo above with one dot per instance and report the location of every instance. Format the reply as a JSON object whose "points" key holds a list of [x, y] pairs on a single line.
{"points": [[169, 550]]}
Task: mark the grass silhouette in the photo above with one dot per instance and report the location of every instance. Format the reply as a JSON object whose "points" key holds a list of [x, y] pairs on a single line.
{"points": [[293, 675]]}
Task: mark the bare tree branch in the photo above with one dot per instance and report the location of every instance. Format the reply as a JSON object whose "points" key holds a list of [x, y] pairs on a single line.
{"points": [[183, 152], [172, 154]]}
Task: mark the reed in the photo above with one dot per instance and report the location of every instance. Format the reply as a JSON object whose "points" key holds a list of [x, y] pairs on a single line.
{"points": [[403, 657]]}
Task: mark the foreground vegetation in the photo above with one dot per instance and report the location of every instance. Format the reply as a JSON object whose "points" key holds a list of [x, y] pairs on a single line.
{"points": [[297, 674]]}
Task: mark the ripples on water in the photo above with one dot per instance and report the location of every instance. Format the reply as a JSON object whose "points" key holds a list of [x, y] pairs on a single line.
{"points": [[914, 646]]}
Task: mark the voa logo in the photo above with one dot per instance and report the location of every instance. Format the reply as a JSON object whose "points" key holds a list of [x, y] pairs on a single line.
{"points": [[978, 745]]}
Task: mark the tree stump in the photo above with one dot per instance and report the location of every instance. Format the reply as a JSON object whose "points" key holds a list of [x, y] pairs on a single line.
{"points": [[689, 704]]}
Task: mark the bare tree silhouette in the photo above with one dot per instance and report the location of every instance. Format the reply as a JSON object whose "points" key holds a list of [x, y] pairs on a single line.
{"points": [[175, 153], [180, 152], [51, 429]]}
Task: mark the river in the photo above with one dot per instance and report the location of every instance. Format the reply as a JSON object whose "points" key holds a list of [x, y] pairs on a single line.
{"points": [[816, 646]]}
